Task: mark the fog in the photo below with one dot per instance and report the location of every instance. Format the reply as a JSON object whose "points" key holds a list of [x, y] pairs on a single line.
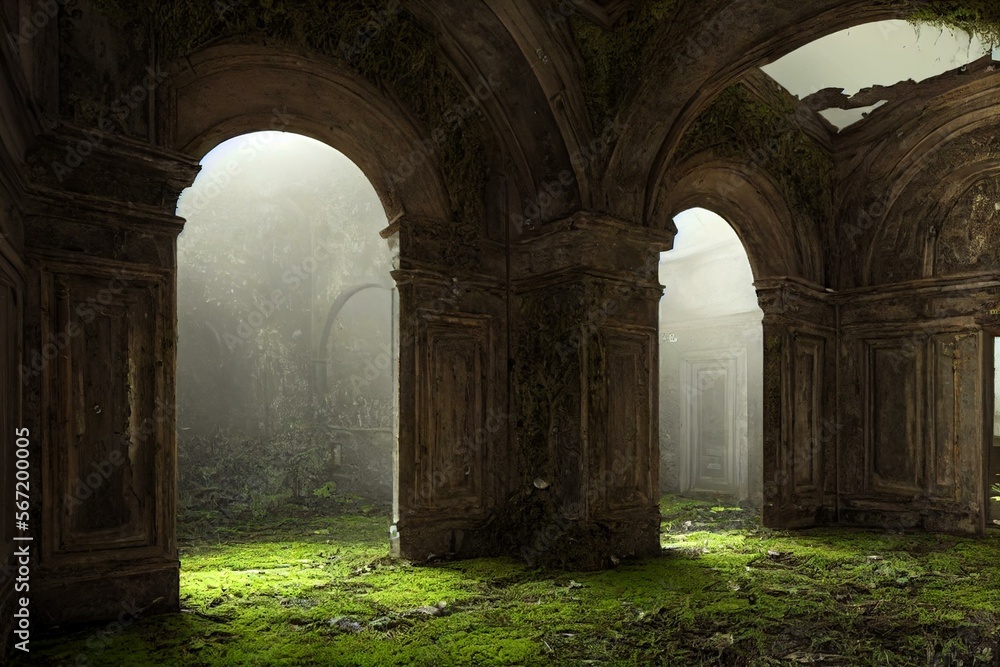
{"points": [[285, 355], [711, 364]]}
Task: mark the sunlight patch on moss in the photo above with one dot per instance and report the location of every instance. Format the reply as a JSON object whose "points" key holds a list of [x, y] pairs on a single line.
{"points": [[731, 592]]}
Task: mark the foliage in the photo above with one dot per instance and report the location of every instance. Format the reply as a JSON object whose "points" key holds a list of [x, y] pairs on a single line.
{"points": [[612, 58], [739, 125], [725, 592], [976, 17]]}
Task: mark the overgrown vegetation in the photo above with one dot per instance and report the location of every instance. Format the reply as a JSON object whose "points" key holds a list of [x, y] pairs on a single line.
{"points": [[613, 58], [320, 591], [976, 17], [284, 387], [765, 136], [228, 480]]}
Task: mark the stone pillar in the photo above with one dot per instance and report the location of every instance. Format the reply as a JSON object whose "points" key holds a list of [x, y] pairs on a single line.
{"points": [[453, 411], [585, 391], [99, 365], [800, 426]]}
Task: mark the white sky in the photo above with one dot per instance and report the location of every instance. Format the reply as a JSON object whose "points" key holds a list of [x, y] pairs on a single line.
{"points": [[881, 53]]}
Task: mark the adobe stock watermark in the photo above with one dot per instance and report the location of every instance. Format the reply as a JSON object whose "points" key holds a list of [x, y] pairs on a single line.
{"points": [[548, 537], [451, 472], [703, 41], [876, 211], [251, 146], [32, 24], [293, 278], [555, 190], [366, 32], [98, 642], [382, 362], [601, 314], [92, 479]]}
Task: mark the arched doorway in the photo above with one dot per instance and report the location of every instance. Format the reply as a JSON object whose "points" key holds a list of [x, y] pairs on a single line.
{"points": [[279, 227], [711, 364]]}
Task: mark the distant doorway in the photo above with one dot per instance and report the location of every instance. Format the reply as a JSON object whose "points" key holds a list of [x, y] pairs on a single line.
{"points": [[711, 364]]}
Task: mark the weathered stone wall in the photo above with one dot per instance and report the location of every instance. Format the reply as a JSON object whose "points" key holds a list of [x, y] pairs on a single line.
{"points": [[585, 394], [913, 396]]}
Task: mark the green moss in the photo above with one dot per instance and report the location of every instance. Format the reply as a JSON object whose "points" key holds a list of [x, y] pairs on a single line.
{"points": [[977, 17], [726, 592], [737, 125], [380, 40], [614, 58]]}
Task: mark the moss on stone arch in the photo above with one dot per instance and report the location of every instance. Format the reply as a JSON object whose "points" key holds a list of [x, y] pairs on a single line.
{"points": [[614, 58], [740, 126], [380, 40]]}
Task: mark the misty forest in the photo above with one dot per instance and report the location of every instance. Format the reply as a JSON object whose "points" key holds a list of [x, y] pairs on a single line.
{"points": [[285, 355]]}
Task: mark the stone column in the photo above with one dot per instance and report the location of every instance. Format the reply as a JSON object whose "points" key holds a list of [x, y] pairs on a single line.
{"points": [[800, 427], [453, 413], [99, 369], [585, 391]]}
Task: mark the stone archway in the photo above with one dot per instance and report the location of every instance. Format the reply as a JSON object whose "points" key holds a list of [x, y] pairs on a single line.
{"points": [[107, 279], [710, 364], [799, 332], [448, 314]]}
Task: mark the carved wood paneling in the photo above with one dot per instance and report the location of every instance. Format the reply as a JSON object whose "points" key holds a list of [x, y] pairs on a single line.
{"points": [[942, 416], [807, 400], [957, 458], [622, 444], [799, 444], [108, 440], [920, 458], [893, 444], [454, 366]]}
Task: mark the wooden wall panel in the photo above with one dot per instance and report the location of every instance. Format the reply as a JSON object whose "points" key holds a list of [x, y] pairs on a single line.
{"points": [[109, 435], [622, 445], [964, 454], [799, 446], [894, 444], [453, 398], [807, 399], [918, 460], [943, 455]]}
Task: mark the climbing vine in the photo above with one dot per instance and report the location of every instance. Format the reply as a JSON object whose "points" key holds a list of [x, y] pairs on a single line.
{"points": [[976, 17]]}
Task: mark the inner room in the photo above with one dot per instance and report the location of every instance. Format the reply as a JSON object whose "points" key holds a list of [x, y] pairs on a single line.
{"points": [[711, 365]]}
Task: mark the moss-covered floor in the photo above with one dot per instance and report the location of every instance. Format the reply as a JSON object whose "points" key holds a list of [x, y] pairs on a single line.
{"points": [[725, 592]]}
